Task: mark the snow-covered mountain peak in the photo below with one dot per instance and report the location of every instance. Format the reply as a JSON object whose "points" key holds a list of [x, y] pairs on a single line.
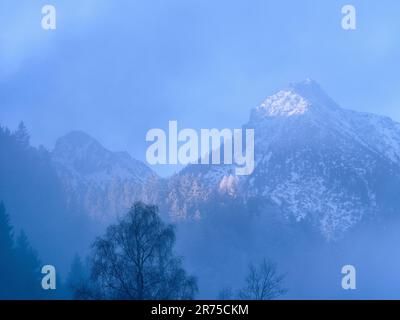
{"points": [[315, 162], [283, 103], [297, 99]]}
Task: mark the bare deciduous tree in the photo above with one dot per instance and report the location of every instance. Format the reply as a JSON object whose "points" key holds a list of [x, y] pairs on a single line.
{"points": [[226, 294], [135, 260], [263, 282]]}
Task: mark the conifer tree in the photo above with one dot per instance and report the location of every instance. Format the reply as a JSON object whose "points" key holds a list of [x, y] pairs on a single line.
{"points": [[27, 268], [22, 135], [6, 253]]}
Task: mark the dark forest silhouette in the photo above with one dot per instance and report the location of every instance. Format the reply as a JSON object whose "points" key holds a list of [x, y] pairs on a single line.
{"points": [[20, 276]]}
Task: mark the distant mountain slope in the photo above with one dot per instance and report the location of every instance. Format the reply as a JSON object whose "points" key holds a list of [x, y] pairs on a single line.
{"points": [[315, 162], [100, 182]]}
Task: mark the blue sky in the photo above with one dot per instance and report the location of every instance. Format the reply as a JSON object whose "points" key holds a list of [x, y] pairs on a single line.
{"points": [[116, 69]]}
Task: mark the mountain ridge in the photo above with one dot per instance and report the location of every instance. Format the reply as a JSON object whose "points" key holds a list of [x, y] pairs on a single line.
{"points": [[314, 162], [98, 181]]}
